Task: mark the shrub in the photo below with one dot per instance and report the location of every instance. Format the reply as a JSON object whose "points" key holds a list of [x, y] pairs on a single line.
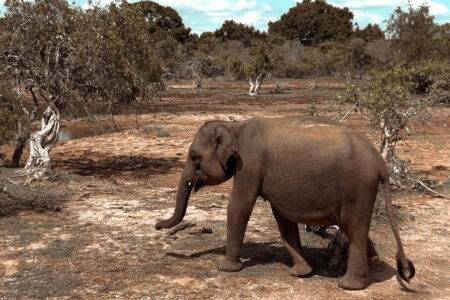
{"points": [[433, 80], [385, 99]]}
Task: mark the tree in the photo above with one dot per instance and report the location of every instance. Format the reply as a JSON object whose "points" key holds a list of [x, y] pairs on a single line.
{"points": [[207, 42], [115, 47], [314, 22], [36, 51], [358, 58], [163, 21], [75, 59], [231, 30], [369, 33], [41, 143], [198, 67], [386, 101], [10, 113], [254, 67], [413, 33], [443, 41]]}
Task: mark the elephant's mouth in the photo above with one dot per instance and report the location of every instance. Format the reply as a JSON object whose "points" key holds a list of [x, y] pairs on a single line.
{"points": [[198, 182]]}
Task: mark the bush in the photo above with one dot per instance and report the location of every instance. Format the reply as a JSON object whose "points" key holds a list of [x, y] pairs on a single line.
{"points": [[299, 69], [237, 68], [433, 80], [385, 99]]}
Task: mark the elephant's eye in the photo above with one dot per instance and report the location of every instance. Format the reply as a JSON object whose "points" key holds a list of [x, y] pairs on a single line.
{"points": [[195, 156]]}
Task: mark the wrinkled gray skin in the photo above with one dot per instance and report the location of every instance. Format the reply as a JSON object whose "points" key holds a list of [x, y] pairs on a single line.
{"points": [[311, 170]]}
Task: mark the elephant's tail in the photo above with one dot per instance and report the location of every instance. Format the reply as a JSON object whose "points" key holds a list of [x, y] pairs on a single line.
{"points": [[405, 268]]}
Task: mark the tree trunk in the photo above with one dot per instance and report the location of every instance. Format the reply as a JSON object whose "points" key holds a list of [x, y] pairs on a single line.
{"points": [[23, 134], [197, 82], [23, 130], [15, 161], [389, 137], [41, 143], [255, 85]]}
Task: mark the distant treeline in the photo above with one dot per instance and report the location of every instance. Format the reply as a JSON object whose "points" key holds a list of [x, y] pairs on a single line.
{"points": [[122, 51]]}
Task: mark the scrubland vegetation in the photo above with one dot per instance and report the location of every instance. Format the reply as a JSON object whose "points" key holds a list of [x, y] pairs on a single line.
{"points": [[125, 87]]}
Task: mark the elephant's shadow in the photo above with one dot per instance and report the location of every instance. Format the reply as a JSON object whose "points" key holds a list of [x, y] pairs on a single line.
{"points": [[254, 254]]}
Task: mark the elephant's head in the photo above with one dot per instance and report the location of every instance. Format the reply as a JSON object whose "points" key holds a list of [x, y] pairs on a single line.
{"points": [[212, 159]]}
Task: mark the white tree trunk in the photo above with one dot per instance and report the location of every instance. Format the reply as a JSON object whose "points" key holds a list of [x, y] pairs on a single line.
{"points": [[388, 139], [198, 81], [255, 85], [41, 143]]}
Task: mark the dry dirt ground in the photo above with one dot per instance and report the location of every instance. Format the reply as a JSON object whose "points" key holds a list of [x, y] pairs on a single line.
{"points": [[92, 235]]}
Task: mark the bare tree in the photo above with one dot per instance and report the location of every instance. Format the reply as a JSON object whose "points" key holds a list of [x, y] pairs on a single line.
{"points": [[255, 67], [41, 143], [198, 67], [255, 84]]}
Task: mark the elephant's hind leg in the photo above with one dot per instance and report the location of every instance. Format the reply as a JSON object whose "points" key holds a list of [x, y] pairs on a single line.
{"points": [[372, 255], [291, 240], [356, 276]]}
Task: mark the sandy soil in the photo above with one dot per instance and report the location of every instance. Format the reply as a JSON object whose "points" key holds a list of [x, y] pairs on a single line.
{"points": [[110, 189]]}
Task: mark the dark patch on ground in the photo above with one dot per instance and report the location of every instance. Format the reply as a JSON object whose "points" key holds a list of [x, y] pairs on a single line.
{"points": [[118, 164]]}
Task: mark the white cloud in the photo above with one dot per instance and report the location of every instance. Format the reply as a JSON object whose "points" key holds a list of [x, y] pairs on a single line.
{"points": [[439, 9], [211, 5], [101, 3], [215, 12], [357, 4], [436, 7], [363, 17], [375, 11], [252, 18]]}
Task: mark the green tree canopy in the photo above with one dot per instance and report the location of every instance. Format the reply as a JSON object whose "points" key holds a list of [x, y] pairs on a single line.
{"points": [[369, 33], [163, 21], [231, 30], [72, 56], [413, 33], [314, 22]]}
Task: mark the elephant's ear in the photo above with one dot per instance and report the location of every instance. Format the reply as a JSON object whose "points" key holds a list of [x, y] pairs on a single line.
{"points": [[227, 150]]}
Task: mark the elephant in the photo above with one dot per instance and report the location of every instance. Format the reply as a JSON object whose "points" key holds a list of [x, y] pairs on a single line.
{"points": [[311, 170]]}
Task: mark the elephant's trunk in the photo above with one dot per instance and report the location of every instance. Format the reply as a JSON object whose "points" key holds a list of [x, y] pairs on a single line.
{"points": [[184, 191]]}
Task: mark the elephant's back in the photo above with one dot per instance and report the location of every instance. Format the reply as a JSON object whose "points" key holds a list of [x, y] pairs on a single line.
{"points": [[316, 163], [313, 144]]}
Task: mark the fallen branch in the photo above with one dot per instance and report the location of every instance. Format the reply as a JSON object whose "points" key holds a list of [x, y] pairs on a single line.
{"points": [[345, 116], [430, 189]]}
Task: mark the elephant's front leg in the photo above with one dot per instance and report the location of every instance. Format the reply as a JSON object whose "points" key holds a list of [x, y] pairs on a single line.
{"points": [[291, 240], [239, 210]]}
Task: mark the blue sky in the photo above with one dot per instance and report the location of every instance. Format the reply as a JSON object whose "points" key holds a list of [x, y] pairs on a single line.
{"points": [[208, 15]]}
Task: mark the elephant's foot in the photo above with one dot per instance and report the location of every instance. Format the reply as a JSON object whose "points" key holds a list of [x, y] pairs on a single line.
{"points": [[372, 255], [228, 265], [300, 269], [353, 282], [373, 260]]}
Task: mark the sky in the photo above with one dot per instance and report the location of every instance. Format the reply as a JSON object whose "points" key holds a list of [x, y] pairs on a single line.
{"points": [[208, 15]]}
